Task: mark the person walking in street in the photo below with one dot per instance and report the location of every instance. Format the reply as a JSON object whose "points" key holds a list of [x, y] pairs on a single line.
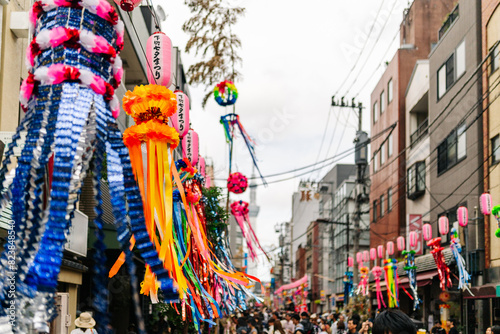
{"points": [[352, 326], [299, 327], [287, 324], [495, 329], [84, 324], [452, 326], [253, 326], [394, 322]]}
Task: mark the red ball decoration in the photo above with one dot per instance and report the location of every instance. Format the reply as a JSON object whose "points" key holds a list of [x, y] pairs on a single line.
{"points": [[237, 183]]}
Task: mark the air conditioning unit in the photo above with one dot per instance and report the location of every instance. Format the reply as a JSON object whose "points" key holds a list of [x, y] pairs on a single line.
{"points": [[19, 23]]}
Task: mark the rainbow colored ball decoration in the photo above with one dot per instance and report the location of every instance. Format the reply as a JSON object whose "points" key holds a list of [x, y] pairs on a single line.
{"points": [[225, 93], [237, 183]]}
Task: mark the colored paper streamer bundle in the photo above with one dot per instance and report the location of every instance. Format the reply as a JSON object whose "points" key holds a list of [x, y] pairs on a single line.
{"points": [[363, 281], [443, 270], [348, 285], [391, 279], [377, 274], [456, 249], [411, 270]]}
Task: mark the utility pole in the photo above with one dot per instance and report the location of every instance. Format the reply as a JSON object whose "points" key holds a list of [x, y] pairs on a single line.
{"points": [[361, 161]]}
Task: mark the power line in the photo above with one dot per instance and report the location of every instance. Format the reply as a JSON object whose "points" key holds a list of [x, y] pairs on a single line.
{"points": [[324, 135]]}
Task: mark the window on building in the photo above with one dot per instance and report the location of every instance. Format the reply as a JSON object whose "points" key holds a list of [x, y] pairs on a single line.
{"points": [[390, 143], [495, 149], [375, 162], [375, 112], [494, 59], [416, 180], [375, 212], [389, 200], [382, 154], [451, 70], [382, 205], [382, 102], [389, 91], [452, 149], [309, 263]]}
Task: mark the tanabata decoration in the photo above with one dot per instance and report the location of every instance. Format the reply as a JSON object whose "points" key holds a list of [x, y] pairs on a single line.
{"points": [[380, 251], [159, 55], [444, 225], [237, 183], [373, 254], [128, 5], [239, 210], [392, 281], [496, 212], [377, 275], [456, 249], [190, 147], [485, 203], [348, 284], [225, 93], [443, 270], [462, 216], [68, 96], [180, 120], [411, 270], [363, 281], [231, 123]]}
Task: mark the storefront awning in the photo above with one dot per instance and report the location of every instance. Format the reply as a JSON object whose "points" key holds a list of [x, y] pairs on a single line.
{"points": [[423, 279], [485, 291]]}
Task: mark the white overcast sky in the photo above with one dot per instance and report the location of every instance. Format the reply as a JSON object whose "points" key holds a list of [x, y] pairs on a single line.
{"points": [[296, 55]]}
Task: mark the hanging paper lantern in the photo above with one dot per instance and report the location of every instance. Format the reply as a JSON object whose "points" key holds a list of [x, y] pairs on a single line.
{"points": [[159, 59], [128, 5], [350, 262], [366, 256], [180, 120], [190, 145], [237, 183], [413, 239], [380, 251], [462, 216], [373, 254], [401, 243], [485, 204], [225, 93], [201, 166], [427, 229], [359, 257], [390, 248], [444, 225]]}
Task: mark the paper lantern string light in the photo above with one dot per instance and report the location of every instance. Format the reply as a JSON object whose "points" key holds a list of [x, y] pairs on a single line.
{"points": [[456, 249], [411, 270], [377, 274], [231, 123], [225, 93], [237, 183], [443, 270], [70, 107]]}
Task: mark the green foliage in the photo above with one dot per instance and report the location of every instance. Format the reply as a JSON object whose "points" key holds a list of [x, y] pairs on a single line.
{"points": [[168, 312], [215, 214]]}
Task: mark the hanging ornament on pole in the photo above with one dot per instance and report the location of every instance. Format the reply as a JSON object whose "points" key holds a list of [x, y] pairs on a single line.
{"points": [[128, 5], [443, 270], [225, 93], [411, 268], [456, 249], [159, 55], [377, 274], [237, 183], [180, 120], [190, 146]]}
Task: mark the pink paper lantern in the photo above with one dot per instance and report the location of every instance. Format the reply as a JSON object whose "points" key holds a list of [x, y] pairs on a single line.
{"points": [[462, 216], [180, 120], [201, 166], [444, 225], [159, 56], [366, 256], [486, 204], [190, 145], [350, 262], [128, 5], [413, 239], [427, 229], [390, 248], [380, 251], [401, 243], [359, 257], [373, 254]]}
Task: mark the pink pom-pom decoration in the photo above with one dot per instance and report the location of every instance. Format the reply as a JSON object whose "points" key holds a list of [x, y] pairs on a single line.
{"points": [[366, 256], [413, 238], [380, 251], [390, 248], [359, 257], [128, 5], [373, 254], [427, 229], [486, 204], [462, 216], [350, 262], [444, 225], [180, 120], [190, 145], [400, 241], [159, 55], [237, 183]]}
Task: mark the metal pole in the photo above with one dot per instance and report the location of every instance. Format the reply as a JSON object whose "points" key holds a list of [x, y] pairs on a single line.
{"points": [[359, 181]]}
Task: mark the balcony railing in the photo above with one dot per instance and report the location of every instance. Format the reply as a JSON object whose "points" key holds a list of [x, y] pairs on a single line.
{"points": [[452, 17], [421, 131]]}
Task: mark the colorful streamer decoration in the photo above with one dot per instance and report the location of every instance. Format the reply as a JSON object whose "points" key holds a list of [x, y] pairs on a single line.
{"points": [[68, 96], [363, 287], [392, 281], [411, 270], [231, 122], [237, 183], [443, 270], [239, 210], [225, 93], [348, 285], [377, 274], [496, 212], [456, 249]]}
